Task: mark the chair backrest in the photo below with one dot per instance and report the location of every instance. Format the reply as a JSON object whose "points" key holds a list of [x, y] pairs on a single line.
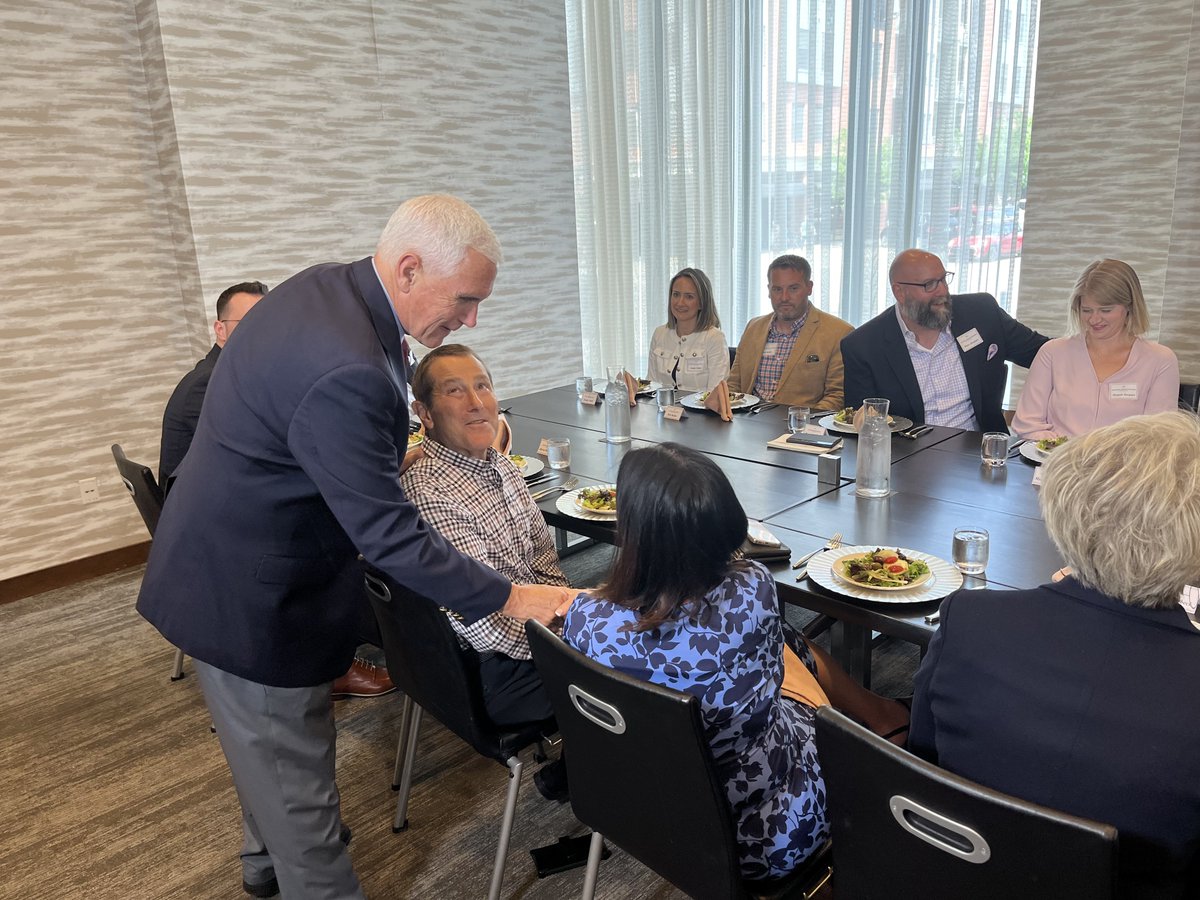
{"points": [[140, 483], [1189, 397], [732, 354], [640, 769], [425, 661], [902, 827]]}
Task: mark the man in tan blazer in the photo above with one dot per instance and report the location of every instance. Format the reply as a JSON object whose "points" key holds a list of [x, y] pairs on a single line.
{"points": [[793, 356]]}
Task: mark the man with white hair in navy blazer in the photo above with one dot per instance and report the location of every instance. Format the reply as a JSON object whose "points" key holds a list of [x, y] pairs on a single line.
{"points": [[294, 471]]}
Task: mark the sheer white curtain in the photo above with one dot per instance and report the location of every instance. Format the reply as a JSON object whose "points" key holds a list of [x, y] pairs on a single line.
{"points": [[723, 134]]}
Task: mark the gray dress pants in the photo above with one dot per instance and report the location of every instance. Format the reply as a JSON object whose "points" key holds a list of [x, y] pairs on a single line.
{"points": [[280, 745]]}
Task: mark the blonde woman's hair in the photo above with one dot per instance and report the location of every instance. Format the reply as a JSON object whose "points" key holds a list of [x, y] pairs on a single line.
{"points": [[1122, 504], [1110, 282], [440, 229]]}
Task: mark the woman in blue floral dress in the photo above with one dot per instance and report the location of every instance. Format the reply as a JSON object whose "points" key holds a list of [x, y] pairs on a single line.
{"points": [[678, 610]]}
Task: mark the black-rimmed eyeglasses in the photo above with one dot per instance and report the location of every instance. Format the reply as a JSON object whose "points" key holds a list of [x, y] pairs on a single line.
{"points": [[931, 285]]}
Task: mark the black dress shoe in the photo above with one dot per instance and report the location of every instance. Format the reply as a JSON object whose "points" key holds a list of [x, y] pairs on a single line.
{"points": [[551, 781], [264, 889]]}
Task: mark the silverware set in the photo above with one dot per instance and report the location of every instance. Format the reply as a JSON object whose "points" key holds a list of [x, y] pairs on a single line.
{"points": [[802, 562], [755, 410], [1015, 449], [540, 478], [915, 431], [567, 485]]}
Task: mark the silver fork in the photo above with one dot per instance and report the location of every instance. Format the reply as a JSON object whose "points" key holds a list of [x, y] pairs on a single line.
{"points": [[565, 486], [834, 543]]}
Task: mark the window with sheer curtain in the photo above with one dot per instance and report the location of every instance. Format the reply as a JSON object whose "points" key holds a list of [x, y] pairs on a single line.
{"points": [[720, 135]]}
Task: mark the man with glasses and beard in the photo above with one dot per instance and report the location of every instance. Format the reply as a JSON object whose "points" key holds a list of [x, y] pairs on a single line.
{"points": [[938, 358]]}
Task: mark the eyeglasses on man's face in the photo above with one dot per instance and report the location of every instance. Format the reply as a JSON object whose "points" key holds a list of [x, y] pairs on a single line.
{"points": [[931, 285]]}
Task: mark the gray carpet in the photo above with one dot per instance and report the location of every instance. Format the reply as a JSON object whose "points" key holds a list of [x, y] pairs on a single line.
{"points": [[113, 786]]}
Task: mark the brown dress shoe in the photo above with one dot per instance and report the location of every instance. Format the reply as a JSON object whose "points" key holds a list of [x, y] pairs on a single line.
{"points": [[362, 680]]}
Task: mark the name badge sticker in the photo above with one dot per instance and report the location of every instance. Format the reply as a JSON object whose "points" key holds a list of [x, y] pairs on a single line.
{"points": [[969, 339], [1122, 392], [694, 365], [770, 349]]}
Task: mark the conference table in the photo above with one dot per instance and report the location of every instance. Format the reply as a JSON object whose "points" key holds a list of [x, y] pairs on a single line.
{"points": [[938, 483]]}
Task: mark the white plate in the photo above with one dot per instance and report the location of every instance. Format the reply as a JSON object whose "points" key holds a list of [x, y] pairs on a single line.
{"points": [[693, 401], [837, 566], [647, 391], [829, 423], [532, 465], [415, 440], [946, 579], [568, 503], [1030, 451]]}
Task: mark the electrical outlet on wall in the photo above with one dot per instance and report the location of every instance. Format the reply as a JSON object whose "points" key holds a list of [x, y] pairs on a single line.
{"points": [[89, 490]]}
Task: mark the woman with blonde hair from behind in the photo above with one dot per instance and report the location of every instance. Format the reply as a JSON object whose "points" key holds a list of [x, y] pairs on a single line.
{"points": [[1104, 370], [1081, 695]]}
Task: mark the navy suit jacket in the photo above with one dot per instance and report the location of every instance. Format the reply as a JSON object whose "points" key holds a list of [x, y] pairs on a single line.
{"points": [[182, 415], [877, 363], [1069, 698], [294, 471]]}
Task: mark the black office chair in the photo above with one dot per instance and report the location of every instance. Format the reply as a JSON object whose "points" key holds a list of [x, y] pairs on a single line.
{"points": [[903, 827], [732, 354], [437, 676], [148, 497], [1189, 397], [642, 775]]}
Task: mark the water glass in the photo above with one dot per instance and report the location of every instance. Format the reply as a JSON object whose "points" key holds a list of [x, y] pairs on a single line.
{"points": [[558, 453], [665, 397], [582, 386], [798, 418], [994, 448], [615, 373], [970, 550]]}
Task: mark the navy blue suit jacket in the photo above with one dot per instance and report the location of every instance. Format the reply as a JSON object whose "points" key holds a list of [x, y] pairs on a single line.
{"points": [[877, 363], [1069, 698], [182, 415], [294, 471]]}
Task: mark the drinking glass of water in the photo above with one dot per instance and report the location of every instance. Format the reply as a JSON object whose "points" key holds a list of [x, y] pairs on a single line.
{"points": [[558, 453], [798, 418], [994, 448], [970, 550]]}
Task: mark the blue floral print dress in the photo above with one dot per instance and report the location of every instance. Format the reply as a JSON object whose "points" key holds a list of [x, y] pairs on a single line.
{"points": [[730, 657]]}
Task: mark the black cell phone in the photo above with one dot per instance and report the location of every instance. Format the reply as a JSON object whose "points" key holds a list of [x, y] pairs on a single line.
{"points": [[568, 853], [815, 440]]}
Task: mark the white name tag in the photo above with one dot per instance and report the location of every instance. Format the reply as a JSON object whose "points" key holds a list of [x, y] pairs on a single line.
{"points": [[770, 349], [694, 366], [1122, 392], [591, 398], [542, 447], [674, 413], [1037, 476], [969, 339]]}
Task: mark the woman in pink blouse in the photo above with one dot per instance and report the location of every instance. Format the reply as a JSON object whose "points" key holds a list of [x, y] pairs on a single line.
{"points": [[1103, 371]]}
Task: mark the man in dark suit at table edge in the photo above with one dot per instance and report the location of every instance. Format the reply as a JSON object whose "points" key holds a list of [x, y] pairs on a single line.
{"points": [[293, 472], [939, 359], [180, 417]]}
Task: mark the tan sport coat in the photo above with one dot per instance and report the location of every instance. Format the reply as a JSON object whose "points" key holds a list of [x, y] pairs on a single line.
{"points": [[812, 376]]}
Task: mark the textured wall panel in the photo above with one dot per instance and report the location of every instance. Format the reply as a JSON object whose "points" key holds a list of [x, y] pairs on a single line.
{"points": [[1105, 168], [156, 152]]}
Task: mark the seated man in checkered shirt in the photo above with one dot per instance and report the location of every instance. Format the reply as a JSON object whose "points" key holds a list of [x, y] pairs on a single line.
{"points": [[477, 499]]}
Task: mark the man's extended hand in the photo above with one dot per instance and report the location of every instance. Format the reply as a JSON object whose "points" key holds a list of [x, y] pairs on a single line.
{"points": [[543, 602]]}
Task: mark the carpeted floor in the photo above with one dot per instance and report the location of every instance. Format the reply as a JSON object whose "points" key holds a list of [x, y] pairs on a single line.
{"points": [[113, 787]]}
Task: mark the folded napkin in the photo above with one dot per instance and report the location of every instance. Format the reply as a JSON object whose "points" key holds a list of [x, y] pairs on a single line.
{"points": [[631, 385], [781, 443], [503, 441], [718, 401]]}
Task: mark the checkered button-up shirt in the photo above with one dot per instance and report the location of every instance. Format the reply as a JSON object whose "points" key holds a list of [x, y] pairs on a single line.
{"points": [[770, 368], [939, 371], [483, 507]]}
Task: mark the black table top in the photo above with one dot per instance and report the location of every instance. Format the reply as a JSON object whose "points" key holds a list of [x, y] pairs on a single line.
{"points": [[938, 484]]}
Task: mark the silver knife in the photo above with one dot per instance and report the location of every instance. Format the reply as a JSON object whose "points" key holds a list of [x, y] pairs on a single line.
{"points": [[538, 479]]}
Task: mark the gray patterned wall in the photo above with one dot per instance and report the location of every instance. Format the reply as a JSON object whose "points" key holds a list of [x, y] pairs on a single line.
{"points": [[156, 151], [1115, 162]]}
